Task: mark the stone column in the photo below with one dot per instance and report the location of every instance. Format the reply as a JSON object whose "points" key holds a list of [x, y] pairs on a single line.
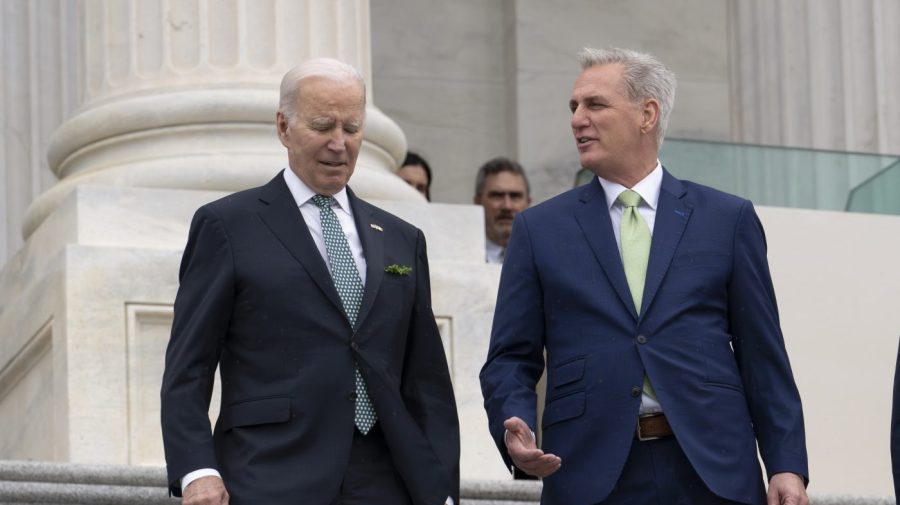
{"points": [[174, 106], [817, 74], [36, 94], [182, 94]]}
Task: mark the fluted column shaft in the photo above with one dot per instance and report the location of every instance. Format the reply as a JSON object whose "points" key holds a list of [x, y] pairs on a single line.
{"points": [[818, 73]]}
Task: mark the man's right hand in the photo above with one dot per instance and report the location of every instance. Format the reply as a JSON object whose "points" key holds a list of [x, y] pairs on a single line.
{"points": [[524, 452], [205, 491]]}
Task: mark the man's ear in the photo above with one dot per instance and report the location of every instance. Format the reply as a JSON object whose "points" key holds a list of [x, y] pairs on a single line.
{"points": [[281, 124], [649, 115]]}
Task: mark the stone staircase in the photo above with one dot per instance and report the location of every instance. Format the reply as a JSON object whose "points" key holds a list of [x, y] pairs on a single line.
{"points": [[38, 483]]}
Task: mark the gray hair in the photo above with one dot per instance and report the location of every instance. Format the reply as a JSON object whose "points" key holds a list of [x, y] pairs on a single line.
{"points": [[495, 166], [644, 77], [317, 67]]}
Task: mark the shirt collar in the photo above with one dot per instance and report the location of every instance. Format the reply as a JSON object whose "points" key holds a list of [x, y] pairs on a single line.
{"points": [[492, 248], [302, 193], [648, 188]]}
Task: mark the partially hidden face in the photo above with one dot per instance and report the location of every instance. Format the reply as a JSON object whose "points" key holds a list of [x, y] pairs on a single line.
{"points": [[415, 176], [606, 124], [324, 137], [504, 195]]}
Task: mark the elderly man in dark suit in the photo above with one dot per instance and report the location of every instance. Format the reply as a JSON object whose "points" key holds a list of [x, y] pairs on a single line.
{"points": [[652, 298], [316, 307]]}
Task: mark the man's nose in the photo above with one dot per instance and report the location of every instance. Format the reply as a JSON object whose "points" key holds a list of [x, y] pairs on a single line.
{"points": [[579, 119], [337, 140]]}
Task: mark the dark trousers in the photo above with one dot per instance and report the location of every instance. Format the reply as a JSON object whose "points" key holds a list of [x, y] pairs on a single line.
{"points": [[658, 473], [371, 477]]}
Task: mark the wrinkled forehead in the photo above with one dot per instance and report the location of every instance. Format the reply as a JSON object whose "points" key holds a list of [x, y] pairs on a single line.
{"points": [[329, 85], [330, 97]]}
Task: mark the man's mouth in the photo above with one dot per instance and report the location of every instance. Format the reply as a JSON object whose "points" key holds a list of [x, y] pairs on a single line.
{"points": [[584, 143], [333, 163]]}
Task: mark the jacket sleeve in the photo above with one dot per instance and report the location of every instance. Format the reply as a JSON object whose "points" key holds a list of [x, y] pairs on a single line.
{"points": [[515, 357], [202, 313], [772, 394]]}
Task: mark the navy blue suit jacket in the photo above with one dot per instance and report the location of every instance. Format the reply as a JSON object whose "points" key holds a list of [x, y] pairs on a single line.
{"points": [[257, 299], [895, 429], [713, 348]]}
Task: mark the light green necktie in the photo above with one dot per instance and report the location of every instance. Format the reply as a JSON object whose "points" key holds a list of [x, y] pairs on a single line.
{"points": [[635, 237], [350, 290]]}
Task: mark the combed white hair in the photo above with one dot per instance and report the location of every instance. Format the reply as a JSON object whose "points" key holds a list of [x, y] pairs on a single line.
{"points": [[321, 67], [644, 77]]}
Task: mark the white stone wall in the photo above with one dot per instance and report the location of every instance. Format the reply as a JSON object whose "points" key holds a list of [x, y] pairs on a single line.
{"points": [[469, 80], [837, 281], [445, 72]]}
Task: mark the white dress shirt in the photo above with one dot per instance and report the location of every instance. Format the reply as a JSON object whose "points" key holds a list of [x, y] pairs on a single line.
{"points": [[493, 253], [648, 188], [302, 195]]}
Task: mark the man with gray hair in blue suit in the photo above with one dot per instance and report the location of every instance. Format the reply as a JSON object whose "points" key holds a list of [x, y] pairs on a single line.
{"points": [[652, 299]]}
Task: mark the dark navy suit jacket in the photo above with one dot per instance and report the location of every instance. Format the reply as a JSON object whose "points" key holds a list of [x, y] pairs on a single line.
{"points": [[257, 299], [895, 429], [710, 342]]}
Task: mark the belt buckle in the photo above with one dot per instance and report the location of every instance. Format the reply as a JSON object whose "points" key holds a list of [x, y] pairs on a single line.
{"points": [[640, 436]]}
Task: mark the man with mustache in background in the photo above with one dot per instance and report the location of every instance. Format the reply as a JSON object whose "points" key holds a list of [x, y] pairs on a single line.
{"points": [[502, 189]]}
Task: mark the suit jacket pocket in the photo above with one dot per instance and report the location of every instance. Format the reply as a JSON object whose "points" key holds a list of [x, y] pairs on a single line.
{"points": [[256, 411], [563, 408], [690, 259], [567, 372]]}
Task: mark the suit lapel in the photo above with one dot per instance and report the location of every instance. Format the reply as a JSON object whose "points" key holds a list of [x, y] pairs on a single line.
{"points": [[281, 215], [373, 247], [593, 218], [672, 214]]}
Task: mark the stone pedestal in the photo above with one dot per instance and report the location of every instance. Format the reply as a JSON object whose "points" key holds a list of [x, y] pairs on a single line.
{"points": [[89, 302]]}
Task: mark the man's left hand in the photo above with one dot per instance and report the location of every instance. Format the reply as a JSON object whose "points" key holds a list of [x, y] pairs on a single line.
{"points": [[787, 489]]}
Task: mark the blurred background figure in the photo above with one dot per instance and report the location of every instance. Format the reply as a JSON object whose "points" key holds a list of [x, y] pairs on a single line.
{"points": [[502, 189], [416, 172]]}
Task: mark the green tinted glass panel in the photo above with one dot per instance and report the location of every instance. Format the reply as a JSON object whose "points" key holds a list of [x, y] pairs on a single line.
{"points": [[789, 177], [879, 194]]}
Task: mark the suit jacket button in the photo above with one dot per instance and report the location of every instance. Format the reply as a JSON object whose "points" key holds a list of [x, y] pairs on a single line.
{"points": [[635, 391], [641, 339], [352, 396], [354, 346]]}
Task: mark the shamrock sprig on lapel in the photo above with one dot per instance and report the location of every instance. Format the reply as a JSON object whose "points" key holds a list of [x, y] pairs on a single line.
{"points": [[398, 269]]}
